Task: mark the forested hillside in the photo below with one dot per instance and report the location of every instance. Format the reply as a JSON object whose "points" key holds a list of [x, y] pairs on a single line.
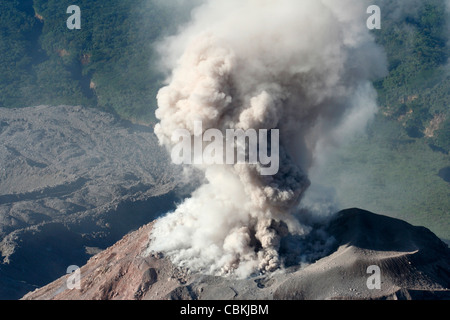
{"points": [[416, 91], [398, 167], [109, 63]]}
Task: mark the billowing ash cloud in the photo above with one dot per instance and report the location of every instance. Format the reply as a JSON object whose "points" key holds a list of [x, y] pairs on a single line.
{"points": [[301, 66]]}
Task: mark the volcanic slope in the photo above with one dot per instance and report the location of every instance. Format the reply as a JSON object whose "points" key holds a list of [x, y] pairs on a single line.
{"points": [[413, 262]]}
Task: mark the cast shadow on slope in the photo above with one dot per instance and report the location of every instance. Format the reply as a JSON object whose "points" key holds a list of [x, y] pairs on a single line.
{"points": [[414, 263]]}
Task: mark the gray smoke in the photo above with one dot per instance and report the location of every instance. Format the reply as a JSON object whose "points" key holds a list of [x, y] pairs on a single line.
{"points": [[304, 67]]}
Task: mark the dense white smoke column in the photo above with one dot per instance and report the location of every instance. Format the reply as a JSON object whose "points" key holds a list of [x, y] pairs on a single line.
{"points": [[301, 66]]}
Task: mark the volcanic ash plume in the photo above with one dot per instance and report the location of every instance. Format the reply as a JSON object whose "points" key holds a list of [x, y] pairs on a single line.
{"points": [[303, 67]]}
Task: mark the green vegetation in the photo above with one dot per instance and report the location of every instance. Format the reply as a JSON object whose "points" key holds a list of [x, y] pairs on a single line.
{"points": [[388, 172], [416, 93], [109, 63], [393, 169]]}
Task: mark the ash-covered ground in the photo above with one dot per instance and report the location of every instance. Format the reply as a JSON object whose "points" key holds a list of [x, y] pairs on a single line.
{"points": [[73, 181]]}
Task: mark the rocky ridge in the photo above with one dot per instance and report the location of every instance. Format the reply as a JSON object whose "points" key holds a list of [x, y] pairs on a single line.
{"points": [[413, 262]]}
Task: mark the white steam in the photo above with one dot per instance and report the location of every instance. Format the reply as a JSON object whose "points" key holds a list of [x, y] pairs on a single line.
{"points": [[301, 66]]}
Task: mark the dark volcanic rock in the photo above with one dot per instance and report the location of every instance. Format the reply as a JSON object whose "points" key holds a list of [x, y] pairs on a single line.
{"points": [[73, 181], [444, 173], [413, 262]]}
